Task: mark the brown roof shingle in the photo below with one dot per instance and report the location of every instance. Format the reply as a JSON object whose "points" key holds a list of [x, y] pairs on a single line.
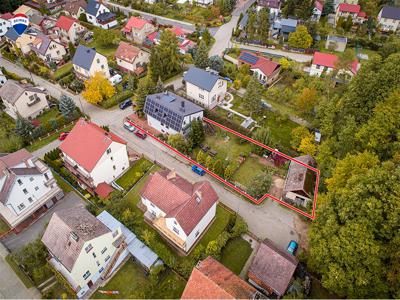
{"points": [[178, 198], [273, 267], [211, 280], [298, 177], [63, 226], [127, 52]]}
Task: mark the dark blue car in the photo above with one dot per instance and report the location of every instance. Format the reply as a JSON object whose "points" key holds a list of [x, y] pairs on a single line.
{"points": [[125, 104], [198, 170]]}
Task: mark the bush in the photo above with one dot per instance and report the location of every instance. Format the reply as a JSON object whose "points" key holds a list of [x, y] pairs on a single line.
{"points": [[217, 118], [239, 228], [116, 99]]}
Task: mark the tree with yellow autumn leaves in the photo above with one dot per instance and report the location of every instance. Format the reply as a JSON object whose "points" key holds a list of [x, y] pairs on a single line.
{"points": [[97, 88]]}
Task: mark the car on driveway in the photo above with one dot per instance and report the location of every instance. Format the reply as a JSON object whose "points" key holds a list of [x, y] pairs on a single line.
{"points": [[128, 126], [116, 79], [292, 247], [198, 170], [125, 104], [141, 134], [63, 136]]}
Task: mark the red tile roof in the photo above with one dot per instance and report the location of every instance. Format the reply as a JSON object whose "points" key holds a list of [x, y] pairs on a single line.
{"points": [[127, 52], [267, 66], [135, 22], [178, 31], [273, 267], [179, 199], [65, 23], [152, 36], [325, 59], [319, 5], [351, 8], [103, 190], [211, 280], [6, 16], [355, 66], [87, 142], [362, 14]]}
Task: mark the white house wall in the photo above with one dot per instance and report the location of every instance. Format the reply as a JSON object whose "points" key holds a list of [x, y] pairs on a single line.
{"points": [[30, 111], [104, 171], [316, 70], [4, 26], [388, 24], [153, 209], [205, 98], [99, 64]]}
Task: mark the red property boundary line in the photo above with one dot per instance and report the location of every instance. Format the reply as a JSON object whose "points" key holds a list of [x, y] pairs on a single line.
{"points": [[256, 201]]}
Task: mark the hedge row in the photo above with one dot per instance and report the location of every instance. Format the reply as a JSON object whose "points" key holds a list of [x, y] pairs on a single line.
{"points": [[116, 99], [64, 72]]}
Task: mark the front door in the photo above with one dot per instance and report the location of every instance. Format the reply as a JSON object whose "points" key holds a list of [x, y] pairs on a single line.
{"points": [[90, 284]]}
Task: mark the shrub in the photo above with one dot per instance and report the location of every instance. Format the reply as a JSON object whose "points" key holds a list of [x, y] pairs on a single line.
{"points": [[239, 228], [116, 99]]}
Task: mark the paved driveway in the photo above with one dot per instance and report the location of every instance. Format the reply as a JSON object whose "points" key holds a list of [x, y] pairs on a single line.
{"points": [[15, 242]]}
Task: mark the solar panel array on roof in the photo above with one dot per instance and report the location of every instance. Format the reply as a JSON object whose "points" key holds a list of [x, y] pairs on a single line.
{"points": [[249, 58], [163, 113]]}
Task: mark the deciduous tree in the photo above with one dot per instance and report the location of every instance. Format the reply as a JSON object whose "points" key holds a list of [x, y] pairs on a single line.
{"points": [[97, 89], [300, 38], [260, 185], [252, 96]]}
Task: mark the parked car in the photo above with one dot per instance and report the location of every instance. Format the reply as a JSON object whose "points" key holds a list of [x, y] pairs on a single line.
{"points": [[266, 105], [129, 127], [292, 247], [141, 134], [63, 136], [125, 104], [116, 79], [198, 170]]}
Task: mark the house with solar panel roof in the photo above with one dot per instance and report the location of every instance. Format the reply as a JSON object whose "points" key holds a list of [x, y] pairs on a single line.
{"points": [[170, 113]]}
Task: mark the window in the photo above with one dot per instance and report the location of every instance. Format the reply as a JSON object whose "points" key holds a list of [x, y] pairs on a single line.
{"points": [[21, 206], [151, 204], [112, 158], [104, 250], [30, 199], [94, 255], [36, 188], [86, 275], [201, 96], [197, 233], [46, 176], [115, 233], [25, 191], [114, 168], [31, 179], [101, 270], [108, 151], [98, 263], [88, 248], [175, 222], [19, 181], [98, 60], [176, 230], [107, 258]]}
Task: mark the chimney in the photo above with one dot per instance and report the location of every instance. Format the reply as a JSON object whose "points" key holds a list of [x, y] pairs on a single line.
{"points": [[171, 175], [198, 196]]}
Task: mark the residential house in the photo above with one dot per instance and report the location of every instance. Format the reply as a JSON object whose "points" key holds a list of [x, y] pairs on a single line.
{"points": [[317, 11], [47, 49], [134, 246], [353, 11], [25, 100], [389, 18], [243, 22], [300, 182], [272, 269], [266, 70], [137, 29], [184, 43], [283, 27], [205, 87], [74, 8], [27, 188], [324, 63], [69, 30], [94, 156], [274, 7], [21, 42], [35, 22], [171, 114], [26, 10], [100, 15], [88, 62], [130, 58], [3, 78], [336, 43], [5, 23], [179, 210], [82, 249], [52, 6], [212, 280]]}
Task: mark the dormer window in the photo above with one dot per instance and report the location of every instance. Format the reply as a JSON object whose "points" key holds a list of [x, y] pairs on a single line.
{"points": [[98, 60], [88, 248], [74, 236], [19, 181], [108, 151]]}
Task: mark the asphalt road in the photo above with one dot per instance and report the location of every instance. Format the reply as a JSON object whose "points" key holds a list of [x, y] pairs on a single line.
{"points": [[267, 220], [15, 242]]}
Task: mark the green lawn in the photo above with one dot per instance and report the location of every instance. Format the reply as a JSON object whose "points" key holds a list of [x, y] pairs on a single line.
{"points": [[134, 173], [9, 140], [235, 254], [64, 70], [48, 115], [24, 278], [132, 283], [247, 171], [3, 227], [39, 143], [58, 291]]}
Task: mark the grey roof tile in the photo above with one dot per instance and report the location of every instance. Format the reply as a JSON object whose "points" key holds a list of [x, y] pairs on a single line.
{"points": [[84, 57], [391, 12], [201, 78]]}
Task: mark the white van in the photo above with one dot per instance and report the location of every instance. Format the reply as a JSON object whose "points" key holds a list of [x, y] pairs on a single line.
{"points": [[116, 79]]}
